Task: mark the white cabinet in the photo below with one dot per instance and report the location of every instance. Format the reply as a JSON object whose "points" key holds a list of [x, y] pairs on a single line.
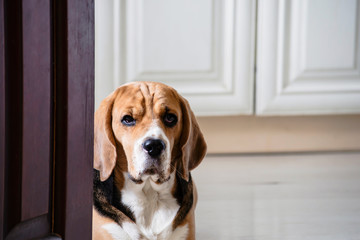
{"points": [[205, 49], [307, 53], [308, 57]]}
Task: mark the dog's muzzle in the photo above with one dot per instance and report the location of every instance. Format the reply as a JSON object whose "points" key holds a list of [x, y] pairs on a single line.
{"points": [[154, 148]]}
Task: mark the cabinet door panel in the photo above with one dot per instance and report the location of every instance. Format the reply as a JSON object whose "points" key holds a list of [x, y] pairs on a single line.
{"points": [[308, 58], [202, 48]]}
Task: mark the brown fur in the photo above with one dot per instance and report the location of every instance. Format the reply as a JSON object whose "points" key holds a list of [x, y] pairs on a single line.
{"points": [[147, 102]]}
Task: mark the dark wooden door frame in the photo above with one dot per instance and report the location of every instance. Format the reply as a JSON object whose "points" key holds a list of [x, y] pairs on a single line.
{"points": [[2, 117], [28, 118], [46, 118], [74, 75]]}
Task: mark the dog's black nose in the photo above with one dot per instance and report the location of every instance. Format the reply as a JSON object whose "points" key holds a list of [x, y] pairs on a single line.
{"points": [[154, 147]]}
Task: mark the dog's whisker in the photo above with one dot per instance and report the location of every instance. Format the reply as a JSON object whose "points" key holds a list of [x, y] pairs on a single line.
{"points": [[181, 175]]}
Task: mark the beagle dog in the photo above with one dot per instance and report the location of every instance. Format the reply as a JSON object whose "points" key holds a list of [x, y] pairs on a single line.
{"points": [[147, 141]]}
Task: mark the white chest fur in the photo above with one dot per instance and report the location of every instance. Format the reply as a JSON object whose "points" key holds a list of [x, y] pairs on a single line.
{"points": [[154, 208]]}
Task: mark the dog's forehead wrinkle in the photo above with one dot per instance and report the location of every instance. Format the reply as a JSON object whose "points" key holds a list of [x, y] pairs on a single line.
{"points": [[147, 95], [132, 103], [155, 99], [148, 98]]}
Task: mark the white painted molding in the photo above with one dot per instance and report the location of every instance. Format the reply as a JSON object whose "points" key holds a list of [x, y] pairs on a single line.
{"points": [[308, 61], [216, 77]]}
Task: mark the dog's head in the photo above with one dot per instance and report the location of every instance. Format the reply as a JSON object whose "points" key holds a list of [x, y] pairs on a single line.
{"points": [[151, 129]]}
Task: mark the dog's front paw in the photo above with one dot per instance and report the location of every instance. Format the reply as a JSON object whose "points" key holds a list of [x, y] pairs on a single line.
{"points": [[128, 231], [133, 231]]}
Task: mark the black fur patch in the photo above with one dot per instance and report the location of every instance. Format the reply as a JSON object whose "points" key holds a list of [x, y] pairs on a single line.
{"points": [[185, 198], [107, 200]]}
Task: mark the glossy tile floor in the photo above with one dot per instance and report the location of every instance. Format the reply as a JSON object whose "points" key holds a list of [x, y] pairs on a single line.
{"points": [[279, 197]]}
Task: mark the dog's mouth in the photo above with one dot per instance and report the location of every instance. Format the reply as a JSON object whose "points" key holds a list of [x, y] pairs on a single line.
{"points": [[151, 171], [156, 170], [152, 174]]}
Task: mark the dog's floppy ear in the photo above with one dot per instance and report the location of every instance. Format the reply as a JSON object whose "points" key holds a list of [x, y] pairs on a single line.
{"points": [[104, 142], [192, 142]]}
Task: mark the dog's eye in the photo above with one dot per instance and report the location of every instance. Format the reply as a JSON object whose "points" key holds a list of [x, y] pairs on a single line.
{"points": [[170, 119], [128, 120]]}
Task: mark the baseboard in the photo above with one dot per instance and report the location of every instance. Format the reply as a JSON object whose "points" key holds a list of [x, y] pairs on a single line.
{"points": [[252, 134]]}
